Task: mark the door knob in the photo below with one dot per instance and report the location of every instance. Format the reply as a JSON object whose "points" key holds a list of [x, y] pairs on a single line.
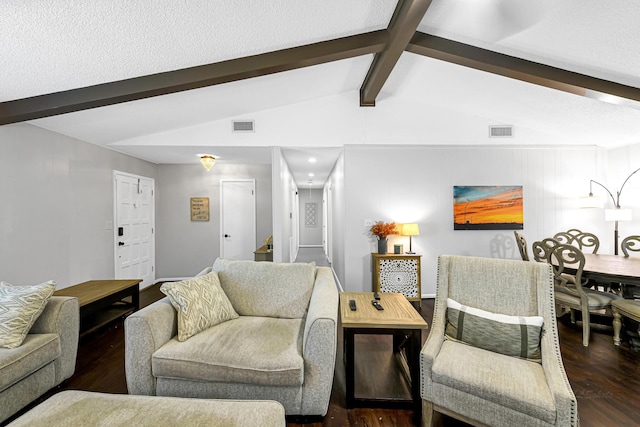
{"points": [[120, 243], [226, 235]]}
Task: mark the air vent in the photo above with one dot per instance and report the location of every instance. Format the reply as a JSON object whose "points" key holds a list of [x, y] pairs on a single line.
{"points": [[243, 126], [500, 131]]}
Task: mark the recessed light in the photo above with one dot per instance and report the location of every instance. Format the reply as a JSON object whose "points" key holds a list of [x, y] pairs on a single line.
{"points": [[312, 159], [311, 174]]}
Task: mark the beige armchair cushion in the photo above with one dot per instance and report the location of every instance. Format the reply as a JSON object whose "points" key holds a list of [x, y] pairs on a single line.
{"points": [[509, 382], [270, 353], [267, 289]]}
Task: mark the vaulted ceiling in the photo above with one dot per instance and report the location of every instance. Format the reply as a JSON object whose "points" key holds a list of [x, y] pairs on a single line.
{"points": [[162, 80]]}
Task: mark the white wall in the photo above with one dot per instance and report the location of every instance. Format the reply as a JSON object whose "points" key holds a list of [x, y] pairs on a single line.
{"points": [[622, 162], [57, 196], [335, 187], [415, 184], [310, 235], [185, 247], [284, 200]]}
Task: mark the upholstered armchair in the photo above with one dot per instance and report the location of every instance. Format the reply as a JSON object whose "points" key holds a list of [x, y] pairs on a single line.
{"points": [[492, 356], [279, 344]]}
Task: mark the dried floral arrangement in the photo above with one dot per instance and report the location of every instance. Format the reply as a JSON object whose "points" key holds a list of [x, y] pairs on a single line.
{"points": [[383, 229]]}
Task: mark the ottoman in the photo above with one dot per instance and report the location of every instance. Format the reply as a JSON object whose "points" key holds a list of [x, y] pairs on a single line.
{"points": [[83, 408]]}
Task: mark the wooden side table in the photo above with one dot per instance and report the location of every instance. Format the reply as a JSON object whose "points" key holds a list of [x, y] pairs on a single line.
{"points": [[400, 319], [263, 254], [397, 273]]}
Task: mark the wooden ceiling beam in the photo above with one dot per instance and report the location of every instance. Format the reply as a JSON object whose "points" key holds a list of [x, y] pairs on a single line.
{"points": [[402, 27], [191, 78], [516, 68]]}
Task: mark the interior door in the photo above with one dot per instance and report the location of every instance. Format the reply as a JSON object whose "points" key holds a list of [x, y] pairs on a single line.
{"points": [[134, 221], [238, 219]]}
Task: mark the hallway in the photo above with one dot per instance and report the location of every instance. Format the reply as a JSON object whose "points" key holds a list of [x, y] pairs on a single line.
{"points": [[306, 254]]}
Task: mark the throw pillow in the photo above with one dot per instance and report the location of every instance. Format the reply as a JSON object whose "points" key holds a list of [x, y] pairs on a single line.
{"points": [[20, 307], [516, 336], [200, 302]]}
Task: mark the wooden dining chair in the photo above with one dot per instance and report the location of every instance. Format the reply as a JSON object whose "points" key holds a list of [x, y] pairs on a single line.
{"points": [[568, 265], [588, 242], [630, 244], [522, 245], [542, 249]]}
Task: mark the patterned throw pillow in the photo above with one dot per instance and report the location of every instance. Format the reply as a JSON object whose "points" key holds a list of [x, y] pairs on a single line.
{"points": [[200, 302], [20, 307], [516, 336]]}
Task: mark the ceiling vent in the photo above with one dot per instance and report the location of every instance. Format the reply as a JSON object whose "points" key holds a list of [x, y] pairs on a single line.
{"points": [[243, 126], [500, 131]]}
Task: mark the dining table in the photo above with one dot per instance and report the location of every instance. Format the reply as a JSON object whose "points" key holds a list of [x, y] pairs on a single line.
{"points": [[604, 268]]}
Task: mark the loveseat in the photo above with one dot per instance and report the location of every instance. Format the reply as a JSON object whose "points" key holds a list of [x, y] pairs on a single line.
{"points": [[45, 358], [281, 346]]}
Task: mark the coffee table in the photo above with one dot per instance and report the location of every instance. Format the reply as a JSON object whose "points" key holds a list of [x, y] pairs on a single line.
{"points": [[102, 301], [400, 319]]}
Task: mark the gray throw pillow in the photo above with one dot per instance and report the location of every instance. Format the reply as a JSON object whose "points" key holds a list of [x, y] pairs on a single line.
{"points": [[517, 336]]}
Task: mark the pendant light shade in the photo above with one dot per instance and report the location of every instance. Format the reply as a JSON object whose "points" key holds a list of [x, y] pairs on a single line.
{"points": [[207, 161]]}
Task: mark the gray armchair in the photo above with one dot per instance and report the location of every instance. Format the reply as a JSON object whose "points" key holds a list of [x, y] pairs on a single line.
{"points": [[484, 387], [281, 347]]}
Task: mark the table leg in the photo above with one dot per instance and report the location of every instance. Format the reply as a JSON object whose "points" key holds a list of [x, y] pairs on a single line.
{"points": [[135, 297], [349, 337], [413, 360]]}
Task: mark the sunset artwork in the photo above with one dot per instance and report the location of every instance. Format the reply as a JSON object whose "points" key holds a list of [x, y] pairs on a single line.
{"points": [[487, 208]]}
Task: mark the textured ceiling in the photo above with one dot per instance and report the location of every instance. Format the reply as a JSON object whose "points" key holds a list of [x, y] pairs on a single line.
{"points": [[55, 45]]}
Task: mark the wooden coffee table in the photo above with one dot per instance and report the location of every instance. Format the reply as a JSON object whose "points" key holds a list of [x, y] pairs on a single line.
{"points": [[400, 319], [102, 301]]}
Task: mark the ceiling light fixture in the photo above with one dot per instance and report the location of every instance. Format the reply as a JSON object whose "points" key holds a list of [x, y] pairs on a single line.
{"points": [[311, 174], [312, 159], [207, 161]]}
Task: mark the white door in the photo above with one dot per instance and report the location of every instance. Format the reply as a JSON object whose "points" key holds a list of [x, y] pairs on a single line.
{"points": [[237, 219], [134, 224]]}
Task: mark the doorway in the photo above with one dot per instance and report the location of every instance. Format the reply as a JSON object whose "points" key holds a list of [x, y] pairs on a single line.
{"points": [[237, 219], [134, 220]]}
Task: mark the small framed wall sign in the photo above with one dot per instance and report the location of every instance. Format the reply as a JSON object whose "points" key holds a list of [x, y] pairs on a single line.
{"points": [[199, 209]]}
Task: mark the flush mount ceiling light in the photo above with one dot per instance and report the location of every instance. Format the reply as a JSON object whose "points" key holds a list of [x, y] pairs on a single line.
{"points": [[207, 161], [312, 159]]}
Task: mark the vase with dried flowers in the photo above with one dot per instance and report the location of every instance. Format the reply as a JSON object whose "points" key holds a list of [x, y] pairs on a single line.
{"points": [[381, 230]]}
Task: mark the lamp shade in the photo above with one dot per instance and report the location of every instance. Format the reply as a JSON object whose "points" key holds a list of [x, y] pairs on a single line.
{"points": [[410, 230], [590, 202], [617, 214], [207, 161]]}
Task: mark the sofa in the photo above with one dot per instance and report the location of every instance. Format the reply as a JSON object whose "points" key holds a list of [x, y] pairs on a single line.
{"points": [[281, 345], [45, 358]]}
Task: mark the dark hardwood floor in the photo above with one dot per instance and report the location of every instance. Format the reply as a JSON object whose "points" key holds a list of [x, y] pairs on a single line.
{"points": [[605, 378]]}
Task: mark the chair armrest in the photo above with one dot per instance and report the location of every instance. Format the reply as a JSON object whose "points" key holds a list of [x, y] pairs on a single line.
{"points": [[145, 331], [432, 346], [61, 316], [563, 396], [319, 343], [207, 270]]}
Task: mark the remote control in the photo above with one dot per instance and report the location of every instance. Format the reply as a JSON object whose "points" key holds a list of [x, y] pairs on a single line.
{"points": [[376, 296], [376, 304], [352, 304]]}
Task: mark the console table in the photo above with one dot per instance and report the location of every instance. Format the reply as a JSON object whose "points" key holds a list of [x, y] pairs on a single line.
{"points": [[397, 273], [102, 301]]}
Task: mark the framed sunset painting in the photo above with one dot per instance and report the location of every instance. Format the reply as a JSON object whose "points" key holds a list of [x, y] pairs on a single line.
{"points": [[488, 207]]}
